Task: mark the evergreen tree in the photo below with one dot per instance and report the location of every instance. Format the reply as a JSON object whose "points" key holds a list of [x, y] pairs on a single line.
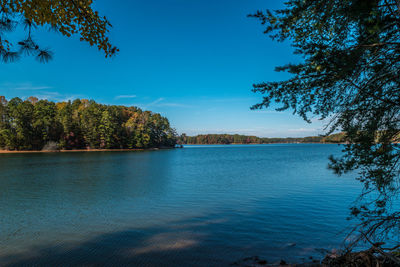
{"points": [[350, 75]]}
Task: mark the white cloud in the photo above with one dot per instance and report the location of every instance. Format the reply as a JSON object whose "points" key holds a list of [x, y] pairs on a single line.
{"points": [[24, 90], [54, 96], [172, 105], [155, 102], [32, 88], [160, 102], [124, 96], [302, 130], [23, 86]]}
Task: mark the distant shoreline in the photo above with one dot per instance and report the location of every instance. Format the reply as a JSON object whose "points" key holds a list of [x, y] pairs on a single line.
{"points": [[210, 139], [326, 143], [80, 150]]}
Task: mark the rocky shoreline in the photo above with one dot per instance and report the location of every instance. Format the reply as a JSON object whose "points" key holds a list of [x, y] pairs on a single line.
{"points": [[368, 258], [256, 261]]}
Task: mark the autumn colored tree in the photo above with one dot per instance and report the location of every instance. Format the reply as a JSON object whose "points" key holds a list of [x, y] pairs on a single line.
{"points": [[33, 123]]}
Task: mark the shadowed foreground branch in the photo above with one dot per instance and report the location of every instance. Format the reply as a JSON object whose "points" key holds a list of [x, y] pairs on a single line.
{"points": [[68, 17]]}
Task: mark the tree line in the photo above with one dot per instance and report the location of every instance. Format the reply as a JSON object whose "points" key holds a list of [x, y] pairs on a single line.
{"points": [[208, 139], [80, 124]]}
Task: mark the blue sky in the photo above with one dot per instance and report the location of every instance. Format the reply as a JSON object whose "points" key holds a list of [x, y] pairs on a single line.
{"points": [[192, 61]]}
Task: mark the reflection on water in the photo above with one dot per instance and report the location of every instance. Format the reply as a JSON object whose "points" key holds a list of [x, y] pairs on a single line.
{"points": [[206, 205]]}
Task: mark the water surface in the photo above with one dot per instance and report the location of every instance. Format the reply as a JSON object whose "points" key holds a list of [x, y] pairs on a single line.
{"points": [[201, 205]]}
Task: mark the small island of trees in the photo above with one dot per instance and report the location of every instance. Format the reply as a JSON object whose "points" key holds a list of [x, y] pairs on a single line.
{"points": [[80, 124]]}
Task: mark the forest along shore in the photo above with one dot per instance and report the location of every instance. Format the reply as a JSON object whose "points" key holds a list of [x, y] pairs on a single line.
{"points": [[36, 125]]}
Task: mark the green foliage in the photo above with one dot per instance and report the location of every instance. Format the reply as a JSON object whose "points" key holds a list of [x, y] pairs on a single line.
{"points": [[68, 17], [350, 75], [106, 130], [31, 124]]}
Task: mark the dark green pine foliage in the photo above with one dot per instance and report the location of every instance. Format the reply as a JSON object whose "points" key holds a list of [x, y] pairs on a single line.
{"points": [[349, 75], [81, 124]]}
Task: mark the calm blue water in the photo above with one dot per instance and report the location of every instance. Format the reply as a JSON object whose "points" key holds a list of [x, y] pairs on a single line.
{"points": [[201, 205]]}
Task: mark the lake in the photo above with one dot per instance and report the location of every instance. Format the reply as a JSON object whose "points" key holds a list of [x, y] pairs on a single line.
{"points": [[201, 205]]}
